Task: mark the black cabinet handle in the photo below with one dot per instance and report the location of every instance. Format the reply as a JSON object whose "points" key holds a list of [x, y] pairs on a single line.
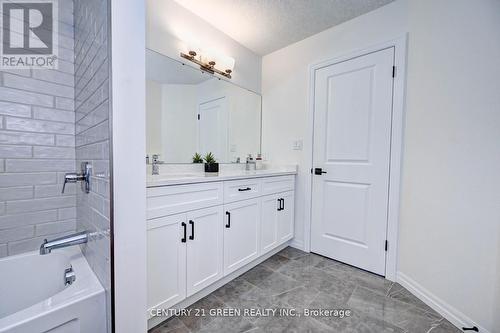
{"points": [[191, 222], [279, 205], [228, 225], [282, 204], [244, 189], [185, 231]]}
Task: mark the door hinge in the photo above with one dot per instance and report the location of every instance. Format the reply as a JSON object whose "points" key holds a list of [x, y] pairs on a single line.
{"points": [[386, 245], [393, 71], [198, 116]]}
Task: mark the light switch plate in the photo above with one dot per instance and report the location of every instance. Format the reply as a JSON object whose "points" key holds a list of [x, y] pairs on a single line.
{"points": [[297, 145]]}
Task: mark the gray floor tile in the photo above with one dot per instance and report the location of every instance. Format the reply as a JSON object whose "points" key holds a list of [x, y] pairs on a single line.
{"points": [[401, 294], [292, 253], [445, 327], [300, 297], [195, 322], [310, 259], [295, 279], [227, 324], [233, 290], [307, 325], [275, 262], [360, 277], [172, 325], [278, 283], [387, 309], [257, 274]]}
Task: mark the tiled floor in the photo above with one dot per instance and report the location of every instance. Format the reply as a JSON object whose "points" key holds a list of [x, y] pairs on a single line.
{"points": [[293, 279]]}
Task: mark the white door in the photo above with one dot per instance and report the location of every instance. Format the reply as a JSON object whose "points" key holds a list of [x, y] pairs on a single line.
{"points": [[286, 216], [204, 248], [352, 132], [166, 261], [241, 233], [213, 128], [269, 222]]}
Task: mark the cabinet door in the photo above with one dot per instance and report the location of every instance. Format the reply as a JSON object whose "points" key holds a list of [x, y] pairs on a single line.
{"points": [[286, 217], [241, 233], [269, 223], [204, 248], [166, 261]]}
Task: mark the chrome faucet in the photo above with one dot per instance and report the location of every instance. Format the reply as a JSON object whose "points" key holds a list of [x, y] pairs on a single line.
{"points": [[155, 168], [70, 240]]}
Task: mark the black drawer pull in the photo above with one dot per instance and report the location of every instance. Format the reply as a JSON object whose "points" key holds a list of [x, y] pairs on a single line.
{"points": [[244, 189], [282, 204], [192, 229], [185, 231], [228, 225], [279, 205]]}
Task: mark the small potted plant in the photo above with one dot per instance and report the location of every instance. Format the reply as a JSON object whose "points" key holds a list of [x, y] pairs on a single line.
{"points": [[197, 158], [211, 164]]}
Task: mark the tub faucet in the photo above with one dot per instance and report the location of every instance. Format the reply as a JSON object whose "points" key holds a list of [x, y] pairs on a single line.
{"points": [[70, 240]]}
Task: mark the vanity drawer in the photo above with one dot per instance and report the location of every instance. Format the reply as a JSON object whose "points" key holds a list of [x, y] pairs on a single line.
{"points": [[168, 200], [235, 190], [277, 184]]}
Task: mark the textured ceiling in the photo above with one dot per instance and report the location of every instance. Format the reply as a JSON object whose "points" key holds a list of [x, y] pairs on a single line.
{"points": [[265, 26]]}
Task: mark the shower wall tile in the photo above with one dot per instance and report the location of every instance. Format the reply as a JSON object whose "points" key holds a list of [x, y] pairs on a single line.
{"points": [[37, 138], [92, 130]]}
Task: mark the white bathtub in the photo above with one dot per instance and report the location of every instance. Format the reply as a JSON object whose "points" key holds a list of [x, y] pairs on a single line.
{"points": [[34, 299]]}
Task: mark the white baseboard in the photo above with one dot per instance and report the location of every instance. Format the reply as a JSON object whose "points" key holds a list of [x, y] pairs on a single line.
{"points": [[297, 244], [450, 313]]}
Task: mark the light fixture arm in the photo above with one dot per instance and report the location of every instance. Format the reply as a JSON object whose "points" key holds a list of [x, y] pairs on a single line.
{"points": [[210, 67]]}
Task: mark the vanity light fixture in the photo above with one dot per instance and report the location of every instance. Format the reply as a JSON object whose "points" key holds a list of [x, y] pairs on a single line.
{"points": [[209, 65]]}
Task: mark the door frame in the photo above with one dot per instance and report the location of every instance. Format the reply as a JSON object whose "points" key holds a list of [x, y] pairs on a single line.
{"points": [[397, 135]]}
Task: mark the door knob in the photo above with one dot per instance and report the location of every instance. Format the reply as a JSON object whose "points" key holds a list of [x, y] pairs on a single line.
{"points": [[319, 171]]}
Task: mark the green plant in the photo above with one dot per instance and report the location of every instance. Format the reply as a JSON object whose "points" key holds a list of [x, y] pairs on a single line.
{"points": [[210, 158], [197, 158]]}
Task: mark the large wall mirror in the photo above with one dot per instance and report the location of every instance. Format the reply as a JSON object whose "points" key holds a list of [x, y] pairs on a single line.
{"points": [[189, 111]]}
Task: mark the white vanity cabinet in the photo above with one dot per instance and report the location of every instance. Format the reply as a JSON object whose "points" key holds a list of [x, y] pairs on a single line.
{"points": [[241, 233], [204, 248], [199, 233], [166, 261]]}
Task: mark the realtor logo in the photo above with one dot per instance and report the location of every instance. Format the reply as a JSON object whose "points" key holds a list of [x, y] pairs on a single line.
{"points": [[29, 34]]}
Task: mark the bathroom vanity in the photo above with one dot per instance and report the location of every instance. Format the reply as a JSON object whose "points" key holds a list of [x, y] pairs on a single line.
{"points": [[204, 231]]}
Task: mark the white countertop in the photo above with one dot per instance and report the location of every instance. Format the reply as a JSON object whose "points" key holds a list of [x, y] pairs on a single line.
{"points": [[179, 178]]}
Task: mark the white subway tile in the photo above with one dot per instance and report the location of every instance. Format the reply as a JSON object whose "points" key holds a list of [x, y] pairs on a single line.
{"points": [[32, 165], [15, 151], [15, 109], [16, 193], [53, 114], [41, 126], [22, 179], [45, 191], [25, 138], [66, 213], [3, 250], [54, 76], [25, 97], [65, 103], [38, 86], [65, 140], [23, 206], [10, 221], [15, 234], [54, 152], [55, 227]]}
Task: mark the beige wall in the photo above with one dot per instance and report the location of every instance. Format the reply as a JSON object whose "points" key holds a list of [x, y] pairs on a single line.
{"points": [[450, 210]]}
